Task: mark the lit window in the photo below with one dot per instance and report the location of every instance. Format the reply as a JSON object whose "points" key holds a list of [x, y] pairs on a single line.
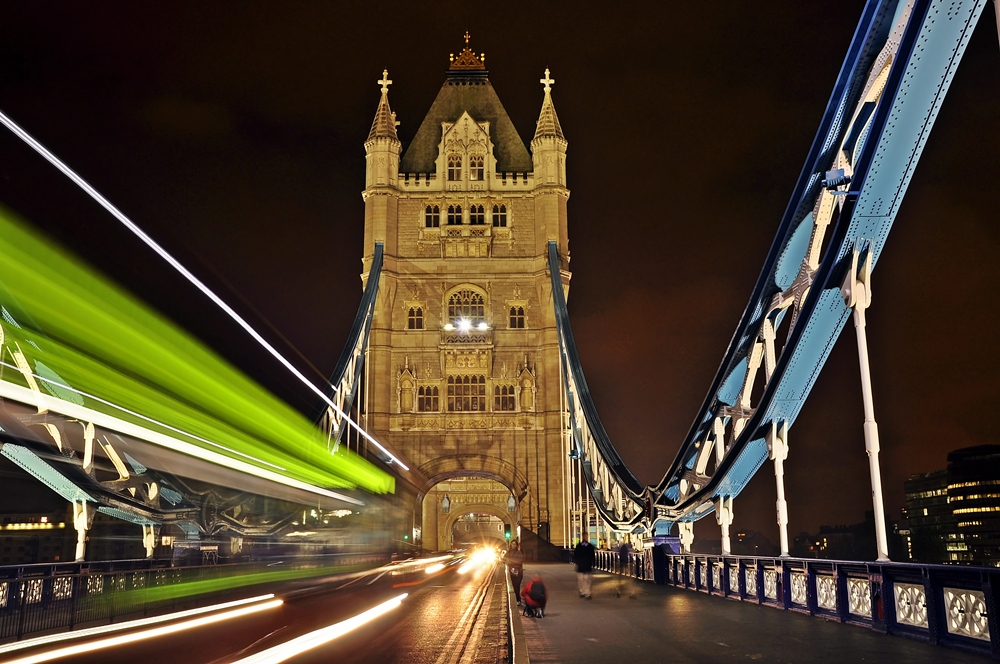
{"points": [[503, 397], [415, 318], [432, 216], [500, 216], [517, 317], [454, 215], [468, 305], [476, 168], [466, 393], [454, 167], [427, 399], [477, 215]]}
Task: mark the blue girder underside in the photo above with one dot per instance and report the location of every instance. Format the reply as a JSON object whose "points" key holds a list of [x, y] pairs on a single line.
{"points": [[360, 329], [883, 145]]}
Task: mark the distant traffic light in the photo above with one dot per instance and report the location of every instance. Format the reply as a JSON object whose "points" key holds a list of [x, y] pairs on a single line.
{"points": [[406, 537]]}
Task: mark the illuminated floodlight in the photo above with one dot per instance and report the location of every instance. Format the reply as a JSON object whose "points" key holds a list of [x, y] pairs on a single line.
{"points": [[464, 325], [131, 624], [448, 327], [483, 326], [301, 644], [69, 651]]}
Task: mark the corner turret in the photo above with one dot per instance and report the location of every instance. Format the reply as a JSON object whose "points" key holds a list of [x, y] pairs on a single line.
{"points": [[381, 195], [548, 154]]}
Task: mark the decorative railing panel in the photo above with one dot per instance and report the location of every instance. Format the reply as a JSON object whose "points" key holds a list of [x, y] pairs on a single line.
{"points": [[799, 595], [750, 579], [771, 584], [911, 604], [859, 596], [826, 593], [967, 613], [947, 605]]}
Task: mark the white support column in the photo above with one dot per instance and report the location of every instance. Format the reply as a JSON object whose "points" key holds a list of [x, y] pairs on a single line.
{"points": [[777, 446], [724, 517], [857, 293], [148, 539], [81, 522], [686, 531]]}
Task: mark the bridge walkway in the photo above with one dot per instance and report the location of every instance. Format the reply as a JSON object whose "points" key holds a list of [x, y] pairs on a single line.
{"points": [[666, 624]]}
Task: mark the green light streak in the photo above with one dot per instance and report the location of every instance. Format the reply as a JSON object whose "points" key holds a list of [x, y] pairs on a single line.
{"points": [[153, 594], [104, 342]]}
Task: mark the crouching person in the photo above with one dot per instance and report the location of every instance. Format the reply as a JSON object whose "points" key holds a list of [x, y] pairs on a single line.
{"points": [[535, 597]]}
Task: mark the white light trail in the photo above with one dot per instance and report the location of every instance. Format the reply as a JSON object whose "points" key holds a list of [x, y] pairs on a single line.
{"points": [[141, 416], [68, 651], [177, 265], [301, 644], [132, 624], [28, 396]]}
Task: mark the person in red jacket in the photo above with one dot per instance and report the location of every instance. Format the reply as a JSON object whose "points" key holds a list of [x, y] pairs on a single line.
{"points": [[535, 597]]}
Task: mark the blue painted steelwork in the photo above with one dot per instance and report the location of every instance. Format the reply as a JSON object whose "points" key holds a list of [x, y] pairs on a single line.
{"points": [[617, 493], [346, 374], [886, 98]]}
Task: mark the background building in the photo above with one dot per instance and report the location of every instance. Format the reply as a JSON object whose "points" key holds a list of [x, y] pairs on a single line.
{"points": [[953, 515]]}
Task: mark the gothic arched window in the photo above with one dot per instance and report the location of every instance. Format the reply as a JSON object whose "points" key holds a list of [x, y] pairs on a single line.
{"points": [[415, 318], [477, 215], [466, 393], [454, 215], [476, 169], [500, 216], [427, 399], [503, 398], [454, 167], [517, 317], [467, 304], [432, 216]]}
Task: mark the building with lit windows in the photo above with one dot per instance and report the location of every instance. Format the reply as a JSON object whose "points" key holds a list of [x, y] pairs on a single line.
{"points": [[463, 354], [953, 515]]}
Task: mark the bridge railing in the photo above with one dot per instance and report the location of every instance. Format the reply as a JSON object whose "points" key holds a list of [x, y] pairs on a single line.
{"points": [[40, 598], [944, 604]]}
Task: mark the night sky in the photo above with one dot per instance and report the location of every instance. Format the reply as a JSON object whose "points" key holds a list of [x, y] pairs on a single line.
{"points": [[233, 133]]}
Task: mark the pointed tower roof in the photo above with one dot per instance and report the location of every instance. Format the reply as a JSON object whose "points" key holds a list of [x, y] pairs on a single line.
{"points": [[467, 88], [548, 121], [384, 125]]}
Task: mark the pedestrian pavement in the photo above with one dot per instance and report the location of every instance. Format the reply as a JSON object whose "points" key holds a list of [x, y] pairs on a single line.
{"points": [[667, 624]]}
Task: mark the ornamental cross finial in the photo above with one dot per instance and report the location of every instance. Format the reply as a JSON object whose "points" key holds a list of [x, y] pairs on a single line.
{"points": [[385, 82], [466, 37], [547, 82]]}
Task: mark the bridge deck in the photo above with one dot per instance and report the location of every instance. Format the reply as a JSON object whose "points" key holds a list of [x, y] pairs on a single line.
{"points": [[667, 624]]}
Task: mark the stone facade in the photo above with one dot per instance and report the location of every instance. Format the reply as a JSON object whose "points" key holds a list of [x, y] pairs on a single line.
{"points": [[463, 363]]}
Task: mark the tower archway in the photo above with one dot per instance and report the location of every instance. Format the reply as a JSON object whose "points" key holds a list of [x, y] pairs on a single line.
{"points": [[459, 485]]}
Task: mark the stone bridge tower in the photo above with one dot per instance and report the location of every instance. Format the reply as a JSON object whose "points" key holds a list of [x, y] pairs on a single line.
{"points": [[463, 364]]}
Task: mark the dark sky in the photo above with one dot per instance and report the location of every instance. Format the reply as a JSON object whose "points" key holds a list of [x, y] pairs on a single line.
{"points": [[233, 133]]}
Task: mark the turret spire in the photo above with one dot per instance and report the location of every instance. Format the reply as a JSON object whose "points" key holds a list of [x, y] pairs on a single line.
{"points": [[548, 122], [384, 125]]}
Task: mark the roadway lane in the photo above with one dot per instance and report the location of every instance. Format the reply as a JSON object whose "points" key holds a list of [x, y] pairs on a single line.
{"points": [[438, 616]]}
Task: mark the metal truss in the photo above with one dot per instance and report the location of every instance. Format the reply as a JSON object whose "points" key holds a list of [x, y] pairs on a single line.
{"points": [[617, 495], [346, 376], [887, 96]]}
